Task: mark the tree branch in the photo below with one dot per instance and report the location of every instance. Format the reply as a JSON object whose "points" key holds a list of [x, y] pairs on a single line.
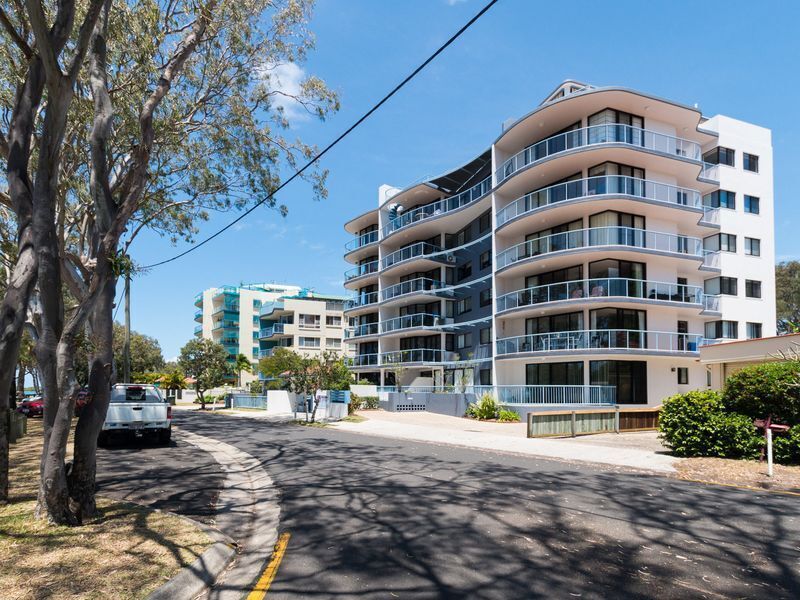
{"points": [[15, 36]]}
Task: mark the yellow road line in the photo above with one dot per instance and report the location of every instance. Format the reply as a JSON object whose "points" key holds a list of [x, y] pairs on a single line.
{"points": [[263, 583]]}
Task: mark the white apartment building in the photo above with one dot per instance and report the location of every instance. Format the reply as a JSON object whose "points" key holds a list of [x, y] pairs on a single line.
{"points": [[585, 256]]}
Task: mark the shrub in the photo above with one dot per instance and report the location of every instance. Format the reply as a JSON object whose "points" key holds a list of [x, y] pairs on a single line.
{"points": [[361, 403], [484, 409], [765, 389], [507, 416], [695, 424], [786, 447]]}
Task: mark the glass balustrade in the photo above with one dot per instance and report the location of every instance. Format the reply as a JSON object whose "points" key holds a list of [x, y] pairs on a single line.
{"points": [[599, 339], [412, 286], [420, 249], [361, 300], [362, 360], [411, 321], [616, 185], [361, 330], [600, 134], [361, 270], [416, 355], [601, 288], [361, 241]]}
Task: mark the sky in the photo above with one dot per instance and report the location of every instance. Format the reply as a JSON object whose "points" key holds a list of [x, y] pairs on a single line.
{"points": [[733, 58]]}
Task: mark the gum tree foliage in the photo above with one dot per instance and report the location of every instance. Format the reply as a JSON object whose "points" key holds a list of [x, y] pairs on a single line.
{"points": [[206, 362], [175, 113], [787, 295]]}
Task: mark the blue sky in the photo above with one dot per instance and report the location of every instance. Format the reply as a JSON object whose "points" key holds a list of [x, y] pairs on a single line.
{"points": [[735, 58]]}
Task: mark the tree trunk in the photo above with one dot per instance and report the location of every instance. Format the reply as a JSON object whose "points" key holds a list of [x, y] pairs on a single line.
{"points": [[21, 380], [81, 479]]}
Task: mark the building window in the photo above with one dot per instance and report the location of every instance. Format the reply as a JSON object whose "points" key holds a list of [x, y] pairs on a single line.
{"points": [[752, 246], [720, 199], [486, 297], [256, 304], [485, 376], [485, 221], [333, 321], [750, 162], [256, 321], [722, 329], [464, 271], [721, 156], [463, 340], [308, 342], [564, 373], [753, 331], [751, 205], [486, 260], [629, 377], [725, 242], [464, 305], [752, 288], [683, 375], [721, 285], [308, 321], [486, 335], [333, 342]]}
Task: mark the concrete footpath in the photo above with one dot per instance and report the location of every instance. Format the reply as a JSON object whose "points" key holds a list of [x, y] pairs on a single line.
{"points": [[635, 450]]}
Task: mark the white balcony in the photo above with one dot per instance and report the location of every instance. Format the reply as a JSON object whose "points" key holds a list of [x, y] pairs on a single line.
{"points": [[601, 340]]}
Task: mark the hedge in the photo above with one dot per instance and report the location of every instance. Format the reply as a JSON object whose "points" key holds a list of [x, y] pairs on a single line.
{"points": [[765, 389]]}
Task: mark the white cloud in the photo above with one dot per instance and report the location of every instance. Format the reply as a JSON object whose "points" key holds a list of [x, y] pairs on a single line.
{"points": [[454, 2], [287, 79]]}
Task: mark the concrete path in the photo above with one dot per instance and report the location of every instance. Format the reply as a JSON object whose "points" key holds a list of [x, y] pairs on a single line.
{"points": [[635, 450]]}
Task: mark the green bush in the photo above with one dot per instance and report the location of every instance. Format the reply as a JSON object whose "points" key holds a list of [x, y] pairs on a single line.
{"points": [[507, 416], [361, 403], [786, 447], [765, 389], [696, 424], [484, 409]]}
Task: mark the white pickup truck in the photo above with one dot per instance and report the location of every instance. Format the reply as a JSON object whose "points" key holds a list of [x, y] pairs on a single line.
{"points": [[139, 410]]}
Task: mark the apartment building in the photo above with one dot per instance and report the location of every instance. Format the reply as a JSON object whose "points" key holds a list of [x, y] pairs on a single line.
{"points": [[231, 315], [306, 322], [586, 255]]}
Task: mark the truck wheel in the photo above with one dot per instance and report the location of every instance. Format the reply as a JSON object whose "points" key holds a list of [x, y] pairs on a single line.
{"points": [[164, 436]]}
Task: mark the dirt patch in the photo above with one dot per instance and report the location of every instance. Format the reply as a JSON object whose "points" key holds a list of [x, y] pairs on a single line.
{"points": [[126, 553], [748, 473]]}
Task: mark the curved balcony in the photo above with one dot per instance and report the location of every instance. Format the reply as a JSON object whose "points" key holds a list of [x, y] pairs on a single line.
{"points": [[361, 241], [365, 330], [198, 316], [440, 207], [611, 287], [231, 307], [614, 237], [420, 250], [625, 135], [600, 188], [416, 356], [360, 301], [413, 321], [421, 285], [198, 299], [272, 330], [225, 324], [198, 330], [600, 341], [267, 308], [361, 271], [362, 360]]}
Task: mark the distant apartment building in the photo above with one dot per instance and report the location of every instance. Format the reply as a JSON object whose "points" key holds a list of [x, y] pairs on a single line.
{"points": [[588, 252]]}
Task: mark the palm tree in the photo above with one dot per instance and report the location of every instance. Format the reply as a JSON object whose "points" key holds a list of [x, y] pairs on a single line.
{"points": [[241, 364]]}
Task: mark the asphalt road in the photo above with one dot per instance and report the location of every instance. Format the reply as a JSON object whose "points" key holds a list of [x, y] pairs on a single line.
{"points": [[379, 518]]}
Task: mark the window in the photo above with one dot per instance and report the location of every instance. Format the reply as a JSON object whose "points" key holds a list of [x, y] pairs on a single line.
{"points": [[464, 305], [721, 156], [485, 376], [565, 373], [752, 288], [721, 285], [333, 321], [722, 329], [256, 321], [486, 297], [485, 221], [752, 246], [458, 239], [464, 271], [720, 199], [750, 162], [486, 335], [486, 260], [308, 321], [308, 342], [333, 342], [683, 375], [726, 242], [463, 340], [629, 377], [751, 204], [753, 331], [256, 304]]}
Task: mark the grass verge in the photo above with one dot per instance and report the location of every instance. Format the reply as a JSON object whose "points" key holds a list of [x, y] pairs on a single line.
{"points": [[126, 553], [746, 473]]}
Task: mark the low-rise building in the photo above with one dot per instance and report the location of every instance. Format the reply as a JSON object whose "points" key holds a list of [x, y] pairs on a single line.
{"points": [[723, 360]]}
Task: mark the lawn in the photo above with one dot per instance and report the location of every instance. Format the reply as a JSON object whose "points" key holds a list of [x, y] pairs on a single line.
{"points": [[126, 553]]}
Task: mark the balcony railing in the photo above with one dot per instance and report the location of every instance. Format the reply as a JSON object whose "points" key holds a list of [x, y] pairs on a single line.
{"points": [[361, 330], [411, 321], [267, 332], [440, 207], [602, 236], [362, 240], [226, 289], [198, 315], [226, 307], [270, 307], [412, 286], [710, 171], [198, 299], [264, 353], [556, 394], [600, 134], [362, 360], [416, 355], [601, 288], [361, 270], [420, 249], [610, 185], [361, 300], [198, 329], [600, 339], [226, 324]]}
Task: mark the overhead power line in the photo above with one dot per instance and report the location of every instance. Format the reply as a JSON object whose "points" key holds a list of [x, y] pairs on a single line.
{"points": [[330, 146]]}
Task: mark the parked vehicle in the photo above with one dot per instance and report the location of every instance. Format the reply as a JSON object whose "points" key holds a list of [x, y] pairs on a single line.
{"points": [[138, 410], [32, 407]]}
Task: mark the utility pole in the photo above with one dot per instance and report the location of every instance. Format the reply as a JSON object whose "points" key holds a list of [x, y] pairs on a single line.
{"points": [[126, 351]]}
